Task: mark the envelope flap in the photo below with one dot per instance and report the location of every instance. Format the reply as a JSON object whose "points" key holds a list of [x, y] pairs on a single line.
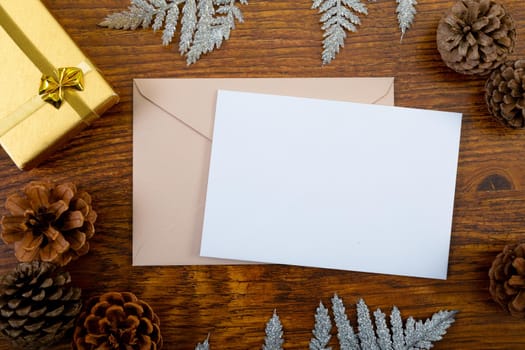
{"points": [[192, 101], [188, 100]]}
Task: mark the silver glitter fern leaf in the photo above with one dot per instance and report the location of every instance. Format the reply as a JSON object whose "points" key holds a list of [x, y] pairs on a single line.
{"points": [[205, 345], [322, 329], [384, 339], [367, 335], [414, 335], [337, 17], [406, 10], [204, 24], [212, 29], [345, 332], [423, 334], [398, 339], [189, 23], [274, 334]]}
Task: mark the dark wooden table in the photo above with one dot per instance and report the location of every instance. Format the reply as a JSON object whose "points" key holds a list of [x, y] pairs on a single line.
{"points": [[281, 38]]}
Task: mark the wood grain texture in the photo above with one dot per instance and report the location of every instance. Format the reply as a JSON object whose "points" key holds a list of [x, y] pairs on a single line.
{"points": [[281, 38]]}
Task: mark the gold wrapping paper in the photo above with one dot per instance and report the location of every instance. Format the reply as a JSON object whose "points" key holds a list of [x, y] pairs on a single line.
{"points": [[33, 45]]}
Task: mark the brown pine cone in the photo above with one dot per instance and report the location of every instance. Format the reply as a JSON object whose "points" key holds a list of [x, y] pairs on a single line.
{"points": [[475, 36], [117, 321], [38, 306], [505, 93], [49, 223], [507, 279]]}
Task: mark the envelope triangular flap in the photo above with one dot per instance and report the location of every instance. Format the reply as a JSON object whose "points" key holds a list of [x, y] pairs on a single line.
{"points": [[185, 99], [192, 100]]}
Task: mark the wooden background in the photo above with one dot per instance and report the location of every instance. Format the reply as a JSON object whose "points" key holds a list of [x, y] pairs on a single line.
{"points": [[282, 38]]}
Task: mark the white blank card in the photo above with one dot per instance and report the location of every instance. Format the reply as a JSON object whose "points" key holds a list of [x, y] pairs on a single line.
{"points": [[331, 184]]}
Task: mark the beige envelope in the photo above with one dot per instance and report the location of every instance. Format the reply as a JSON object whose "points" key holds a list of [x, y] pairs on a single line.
{"points": [[172, 130]]}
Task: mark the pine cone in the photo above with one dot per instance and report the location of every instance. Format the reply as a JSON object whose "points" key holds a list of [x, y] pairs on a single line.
{"points": [[49, 223], [117, 321], [505, 93], [475, 36], [37, 305], [507, 279]]}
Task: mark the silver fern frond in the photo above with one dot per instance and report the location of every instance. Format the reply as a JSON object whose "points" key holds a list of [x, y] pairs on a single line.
{"points": [[322, 329], [414, 335], [205, 24], [211, 29], [422, 335], [384, 339], [345, 332], [410, 331], [274, 334], [367, 335], [172, 18], [338, 17], [204, 39], [139, 13], [205, 345], [406, 11], [189, 23], [398, 339]]}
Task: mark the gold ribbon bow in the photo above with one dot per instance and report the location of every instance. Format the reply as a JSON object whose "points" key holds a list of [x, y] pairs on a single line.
{"points": [[52, 88]]}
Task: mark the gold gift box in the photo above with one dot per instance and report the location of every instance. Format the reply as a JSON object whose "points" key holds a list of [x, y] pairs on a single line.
{"points": [[34, 44]]}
